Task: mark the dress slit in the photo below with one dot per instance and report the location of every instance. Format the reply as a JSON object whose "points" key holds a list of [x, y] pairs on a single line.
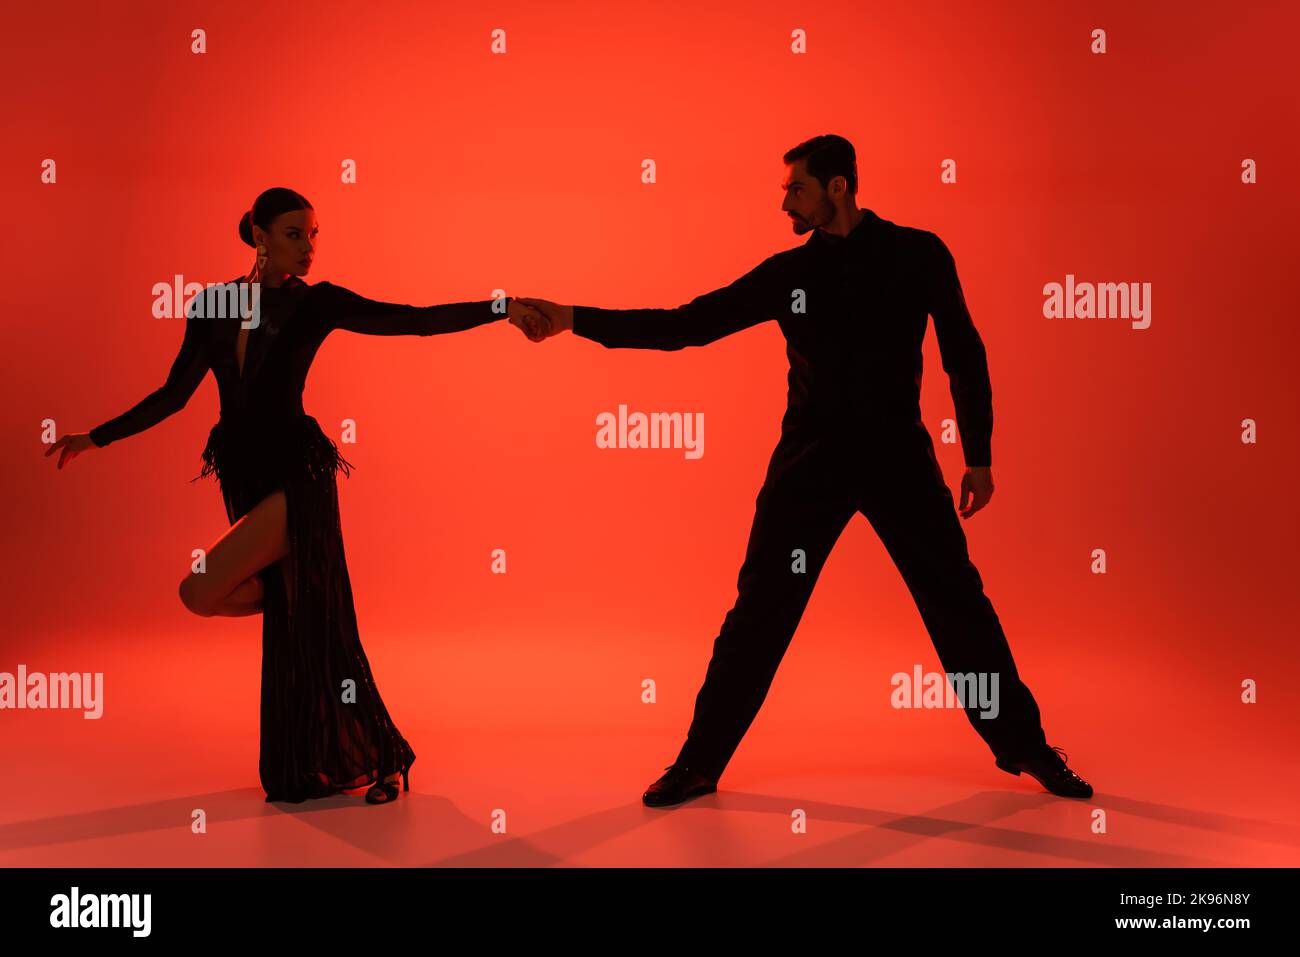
{"points": [[323, 726]]}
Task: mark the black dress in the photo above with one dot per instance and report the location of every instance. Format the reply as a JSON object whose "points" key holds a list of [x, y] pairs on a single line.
{"points": [[324, 727]]}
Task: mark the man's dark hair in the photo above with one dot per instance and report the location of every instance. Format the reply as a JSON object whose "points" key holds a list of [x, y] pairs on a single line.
{"points": [[828, 156]]}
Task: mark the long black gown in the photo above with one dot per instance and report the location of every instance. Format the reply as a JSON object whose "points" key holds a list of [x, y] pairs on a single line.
{"points": [[319, 734]]}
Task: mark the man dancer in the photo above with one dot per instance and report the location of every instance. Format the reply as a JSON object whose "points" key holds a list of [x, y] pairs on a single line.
{"points": [[852, 303]]}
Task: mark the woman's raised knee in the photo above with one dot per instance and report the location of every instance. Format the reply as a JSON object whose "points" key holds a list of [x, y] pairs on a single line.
{"points": [[194, 597]]}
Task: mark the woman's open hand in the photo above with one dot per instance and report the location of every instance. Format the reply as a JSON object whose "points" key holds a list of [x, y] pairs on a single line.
{"points": [[72, 445]]}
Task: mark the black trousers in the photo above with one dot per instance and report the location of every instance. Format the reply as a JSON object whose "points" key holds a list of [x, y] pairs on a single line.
{"points": [[816, 481]]}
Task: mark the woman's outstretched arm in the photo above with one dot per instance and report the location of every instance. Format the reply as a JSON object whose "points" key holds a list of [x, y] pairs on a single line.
{"points": [[190, 366], [345, 309], [187, 371]]}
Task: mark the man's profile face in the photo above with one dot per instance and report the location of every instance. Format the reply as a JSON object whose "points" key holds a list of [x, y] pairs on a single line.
{"points": [[806, 203]]}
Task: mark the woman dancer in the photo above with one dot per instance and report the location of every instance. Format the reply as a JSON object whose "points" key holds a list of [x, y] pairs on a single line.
{"points": [[324, 727]]}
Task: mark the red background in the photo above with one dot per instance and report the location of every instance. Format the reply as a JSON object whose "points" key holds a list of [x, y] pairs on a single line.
{"points": [[522, 172]]}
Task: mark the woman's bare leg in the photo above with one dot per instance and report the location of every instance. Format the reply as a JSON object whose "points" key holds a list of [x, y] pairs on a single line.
{"points": [[230, 585], [250, 594], [246, 599]]}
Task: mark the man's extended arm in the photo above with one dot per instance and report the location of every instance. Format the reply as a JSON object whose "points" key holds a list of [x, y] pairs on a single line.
{"points": [[754, 297], [962, 353]]}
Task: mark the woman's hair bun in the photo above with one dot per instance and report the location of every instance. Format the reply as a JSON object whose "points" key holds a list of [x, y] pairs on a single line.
{"points": [[269, 204], [246, 228]]}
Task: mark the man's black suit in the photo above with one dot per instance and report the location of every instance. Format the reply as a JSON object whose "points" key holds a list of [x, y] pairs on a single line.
{"points": [[853, 311]]}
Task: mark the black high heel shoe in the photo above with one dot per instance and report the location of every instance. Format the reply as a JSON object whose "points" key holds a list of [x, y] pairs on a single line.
{"points": [[385, 792]]}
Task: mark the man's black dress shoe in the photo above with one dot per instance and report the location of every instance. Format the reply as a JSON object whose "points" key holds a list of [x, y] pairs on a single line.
{"points": [[681, 783], [1049, 768]]}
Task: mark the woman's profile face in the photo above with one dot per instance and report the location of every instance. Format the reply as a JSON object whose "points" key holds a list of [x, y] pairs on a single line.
{"points": [[290, 242]]}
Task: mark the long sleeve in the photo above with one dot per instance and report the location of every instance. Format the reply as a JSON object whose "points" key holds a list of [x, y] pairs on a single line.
{"points": [[963, 355], [753, 298], [344, 309], [190, 366]]}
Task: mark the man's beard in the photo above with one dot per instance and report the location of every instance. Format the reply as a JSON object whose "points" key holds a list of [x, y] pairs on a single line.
{"points": [[826, 214]]}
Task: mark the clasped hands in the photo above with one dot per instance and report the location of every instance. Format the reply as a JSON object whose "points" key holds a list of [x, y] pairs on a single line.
{"points": [[539, 319]]}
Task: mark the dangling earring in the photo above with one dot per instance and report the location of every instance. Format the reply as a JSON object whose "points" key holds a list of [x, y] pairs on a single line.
{"points": [[261, 262]]}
